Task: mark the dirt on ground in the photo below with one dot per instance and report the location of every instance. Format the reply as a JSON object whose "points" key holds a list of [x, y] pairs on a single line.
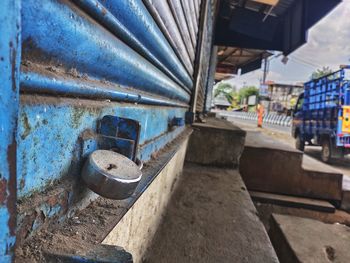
{"points": [[205, 222]]}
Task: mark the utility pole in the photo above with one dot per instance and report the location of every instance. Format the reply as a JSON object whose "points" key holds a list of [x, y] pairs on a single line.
{"points": [[265, 70]]}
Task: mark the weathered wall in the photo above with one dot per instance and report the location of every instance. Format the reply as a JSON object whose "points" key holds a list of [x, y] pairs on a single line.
{"points": [[137, 228]]}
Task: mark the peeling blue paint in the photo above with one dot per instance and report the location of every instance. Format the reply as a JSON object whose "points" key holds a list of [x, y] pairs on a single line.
{"points": [[78, 67], [9, 85], [48, 135], [50, 211], [7, 240]]}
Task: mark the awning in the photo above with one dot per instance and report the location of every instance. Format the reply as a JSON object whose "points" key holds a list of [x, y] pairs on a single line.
{"points": [[231, 59], [268, 24]]}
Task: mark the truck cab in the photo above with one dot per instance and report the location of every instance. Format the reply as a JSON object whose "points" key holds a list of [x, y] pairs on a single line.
{"points": [[321, 116]]}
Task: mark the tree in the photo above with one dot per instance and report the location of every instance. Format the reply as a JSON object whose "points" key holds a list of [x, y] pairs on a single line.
{"points": [[319, 73], [245, 92], [227, 90]]}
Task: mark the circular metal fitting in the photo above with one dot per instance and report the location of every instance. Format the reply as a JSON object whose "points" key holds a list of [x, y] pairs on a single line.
{"points": [[111, 174]]}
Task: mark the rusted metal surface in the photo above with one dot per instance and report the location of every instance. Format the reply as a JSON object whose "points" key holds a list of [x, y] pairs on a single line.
{"points": [[49, 123], [87, 61], [98, 219], [10, 51], [40, 209]]}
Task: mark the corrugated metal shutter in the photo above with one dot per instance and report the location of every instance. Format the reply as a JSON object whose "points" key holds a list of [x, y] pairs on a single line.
{"points": [[65, 66], [204, 57], [80, 61], [83, 59]]}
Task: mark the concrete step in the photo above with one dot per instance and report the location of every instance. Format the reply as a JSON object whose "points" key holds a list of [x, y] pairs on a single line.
{"points": [[216, 142], [345, 202], [270, 166], [211, 218], [297, 239], [292, 201]]}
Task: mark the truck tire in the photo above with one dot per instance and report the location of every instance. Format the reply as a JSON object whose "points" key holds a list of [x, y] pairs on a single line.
{"points": [[299, 143], [326, 153]]}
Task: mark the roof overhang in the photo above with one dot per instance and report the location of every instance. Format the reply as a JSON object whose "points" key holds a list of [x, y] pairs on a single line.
{"points": [[267, 24], [231, 59]]}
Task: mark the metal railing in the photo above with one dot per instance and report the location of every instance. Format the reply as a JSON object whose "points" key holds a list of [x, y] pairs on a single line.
{"points": [[271, 118]]}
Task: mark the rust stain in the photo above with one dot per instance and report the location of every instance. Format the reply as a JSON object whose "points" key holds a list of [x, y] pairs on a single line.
{"points": [[13, 53], [3, 193], [104, 11], [12, 185]]}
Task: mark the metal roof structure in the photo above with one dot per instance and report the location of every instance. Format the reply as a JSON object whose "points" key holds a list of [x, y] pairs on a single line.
{"points": [[281, 25], [245, 29], [231, 59]]}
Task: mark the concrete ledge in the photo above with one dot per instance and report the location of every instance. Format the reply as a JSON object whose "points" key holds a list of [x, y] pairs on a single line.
{"points": [[291, 201], [211, 218], [299, 239], [269, 166], [345, 202], [136, 229], [216, 142]]}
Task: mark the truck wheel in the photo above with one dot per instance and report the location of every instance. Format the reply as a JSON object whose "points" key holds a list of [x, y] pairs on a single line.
{"points": [[299, 143], [326, 154]]}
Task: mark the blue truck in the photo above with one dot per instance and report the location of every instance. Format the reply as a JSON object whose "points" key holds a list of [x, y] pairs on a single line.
{"points": [[322, 115]]}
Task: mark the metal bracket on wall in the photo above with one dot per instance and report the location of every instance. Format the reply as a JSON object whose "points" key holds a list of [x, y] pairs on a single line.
{"points": [[117, 134], [176, 122], [111, 168]]}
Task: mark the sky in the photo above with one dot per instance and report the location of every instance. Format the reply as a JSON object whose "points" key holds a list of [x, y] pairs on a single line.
{"points": [[328, 45]]}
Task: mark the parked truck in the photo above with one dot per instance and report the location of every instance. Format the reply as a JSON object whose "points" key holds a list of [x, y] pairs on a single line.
{"points": [[322, 115]]}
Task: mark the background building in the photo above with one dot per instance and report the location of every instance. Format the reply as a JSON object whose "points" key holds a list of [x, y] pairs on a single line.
{"points": [[283, 96]]}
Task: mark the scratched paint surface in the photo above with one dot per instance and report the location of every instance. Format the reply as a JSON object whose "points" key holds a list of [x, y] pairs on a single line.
{"points": [[81, 61], [9, 60], [136, 27], [72, 39], [48, 135]]}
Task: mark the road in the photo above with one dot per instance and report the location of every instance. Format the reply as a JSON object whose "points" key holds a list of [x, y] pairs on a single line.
{"points": [[283, 134]]}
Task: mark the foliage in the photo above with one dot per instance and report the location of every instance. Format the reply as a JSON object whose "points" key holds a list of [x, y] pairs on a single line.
{"points": [[320, 73], [227, 90], [232, 96], [245, 92]]}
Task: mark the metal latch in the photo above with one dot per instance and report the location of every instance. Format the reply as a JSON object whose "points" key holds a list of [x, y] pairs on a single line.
{"points": [[111, 168]]}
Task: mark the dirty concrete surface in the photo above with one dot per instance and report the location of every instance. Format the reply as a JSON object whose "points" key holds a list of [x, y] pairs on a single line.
{"points": [[306, 240], [342, 165], [268, 165], [211, 218], [336, 224]]}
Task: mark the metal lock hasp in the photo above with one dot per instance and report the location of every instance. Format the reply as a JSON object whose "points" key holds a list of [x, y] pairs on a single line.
{"points": [[111, 168]]}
